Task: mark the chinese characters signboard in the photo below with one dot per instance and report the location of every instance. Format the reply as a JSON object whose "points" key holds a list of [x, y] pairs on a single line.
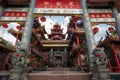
{"points": [[101, 15], [73, 4], [58, 6], [13, 14]]}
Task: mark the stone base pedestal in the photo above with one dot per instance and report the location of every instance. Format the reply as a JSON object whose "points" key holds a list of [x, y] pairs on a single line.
{"points": [[18, 74], [115, 76], [103, 73], [15, 74], [100, 73], [24, 75]]}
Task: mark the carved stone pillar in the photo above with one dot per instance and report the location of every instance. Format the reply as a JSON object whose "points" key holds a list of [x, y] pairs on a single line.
{"points": [[116, 16], [19, 62], [88, 29], [20, 57], [25, 42]]}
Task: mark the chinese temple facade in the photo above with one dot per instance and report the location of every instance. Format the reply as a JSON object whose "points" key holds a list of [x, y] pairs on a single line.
{"points": [[56, 35]]}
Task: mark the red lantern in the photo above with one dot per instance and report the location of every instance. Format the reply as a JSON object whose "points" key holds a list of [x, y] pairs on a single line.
{"points": [[19, 27], [95, 29], [43, 19], [5, 26], [111, 29]]}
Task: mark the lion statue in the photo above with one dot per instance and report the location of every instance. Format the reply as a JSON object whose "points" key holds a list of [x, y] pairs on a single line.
{"points": [[99, 56]]}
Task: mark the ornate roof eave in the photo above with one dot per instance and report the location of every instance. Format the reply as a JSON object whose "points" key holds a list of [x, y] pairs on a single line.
{"points": [[109, 23], [6, 48], [16, 34], [104, 2], [18, 2], [8, 21], [100, 1], [55, 43], [107, 41]]}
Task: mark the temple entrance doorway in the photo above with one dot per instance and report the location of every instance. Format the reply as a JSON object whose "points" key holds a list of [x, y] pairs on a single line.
{"points": [[58, 57], [63, 38], [58, 60]]}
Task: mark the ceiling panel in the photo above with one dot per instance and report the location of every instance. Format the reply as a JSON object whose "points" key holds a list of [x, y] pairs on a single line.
{"points": [[100, 1], [19, 2], [117, 2]]}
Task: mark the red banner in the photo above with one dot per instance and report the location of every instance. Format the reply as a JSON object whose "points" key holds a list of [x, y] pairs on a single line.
{"points": [[14, 14], [75, 4], [101, 15]]}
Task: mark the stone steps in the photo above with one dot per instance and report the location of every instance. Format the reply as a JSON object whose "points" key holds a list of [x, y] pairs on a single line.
{"points": [[58, 69], [59, 75]]}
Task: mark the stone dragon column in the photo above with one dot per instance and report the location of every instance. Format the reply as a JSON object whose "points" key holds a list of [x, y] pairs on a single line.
{"points": [[26, 37], [25, 42], [116, 16], [88, 29], [97, 63], [20, 57]]}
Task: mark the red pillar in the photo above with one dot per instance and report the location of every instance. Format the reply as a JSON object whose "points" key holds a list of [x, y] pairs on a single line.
{"points": [[76, 62], [47, 57], [5, 61], [71, 50], [75, 25], [78, 43], [116, 58], [80, 60], [40, 52]]}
